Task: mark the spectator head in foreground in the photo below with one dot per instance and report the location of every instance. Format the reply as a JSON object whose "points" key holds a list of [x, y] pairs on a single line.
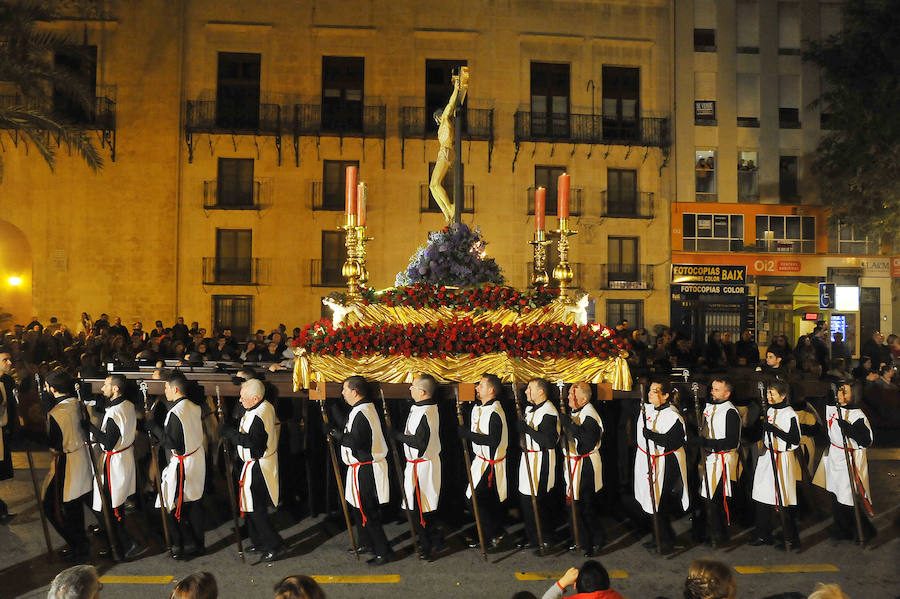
{"points": [[77, 582], [592, 577], [828, 591], [199, 585], [710, 579], [298, 587]]}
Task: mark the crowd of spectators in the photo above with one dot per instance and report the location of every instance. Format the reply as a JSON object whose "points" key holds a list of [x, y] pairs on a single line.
{"points": [[94, 344], [706, 579]]}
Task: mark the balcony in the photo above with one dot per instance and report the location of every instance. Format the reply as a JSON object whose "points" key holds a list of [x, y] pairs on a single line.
{"points": [[235, 271], [257, 198], [207, 116], [101, 117], [626, 276], [477, 124], [575, 202], [312, 120], [427, 203], [591, 129], [639, 207], [326, 273]]}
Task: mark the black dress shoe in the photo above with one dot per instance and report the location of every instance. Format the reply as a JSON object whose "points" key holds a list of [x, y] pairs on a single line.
{"points": [[525, 545], [95, 530], [757, 542], [136, 550], [253, 549], [473, 543], [378, 560], [361, 549], [5, 518], [543, 550], [572, 547], [176, 552], [426, 556], [274, 555]]}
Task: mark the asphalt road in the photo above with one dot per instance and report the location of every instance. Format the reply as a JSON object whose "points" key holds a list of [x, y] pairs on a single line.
{"points": [[319, 549]]}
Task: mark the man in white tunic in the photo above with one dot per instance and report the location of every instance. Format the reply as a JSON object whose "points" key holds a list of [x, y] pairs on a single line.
{"points": [[662, 436], [69, 480], [185, 475], [117, 470], [584, 432], [364, 450], [256, 440], [832, 473], [489, 436], [541, 430], [422, 475], [720, 437], [781, 437]]}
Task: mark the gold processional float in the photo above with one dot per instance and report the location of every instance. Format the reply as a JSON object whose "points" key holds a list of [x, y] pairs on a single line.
{"points": [[449, 314]]}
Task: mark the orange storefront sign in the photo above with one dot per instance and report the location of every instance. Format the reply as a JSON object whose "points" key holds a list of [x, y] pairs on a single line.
{"points": [[798, 264]]}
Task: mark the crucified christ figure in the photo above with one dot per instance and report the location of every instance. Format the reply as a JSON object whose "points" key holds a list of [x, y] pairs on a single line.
{"points": [[444, 161]]}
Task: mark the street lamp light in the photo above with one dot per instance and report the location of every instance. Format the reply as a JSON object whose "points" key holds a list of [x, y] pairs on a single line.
{"points": [[15, 281]]}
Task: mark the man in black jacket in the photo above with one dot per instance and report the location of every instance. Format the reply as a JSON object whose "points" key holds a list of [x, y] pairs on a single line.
{"points": [[8, 421]]}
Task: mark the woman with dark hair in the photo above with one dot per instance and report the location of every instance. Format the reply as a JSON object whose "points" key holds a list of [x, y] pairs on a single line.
{"points": [[661, 436], [199, 585], [298, 587]]}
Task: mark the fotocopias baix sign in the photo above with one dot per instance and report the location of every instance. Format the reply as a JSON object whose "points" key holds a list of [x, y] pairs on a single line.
{"points": [[709, 273]]}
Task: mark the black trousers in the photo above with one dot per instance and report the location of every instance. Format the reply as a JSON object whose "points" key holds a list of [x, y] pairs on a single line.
{"points": [[188, 532], [845, 522], [262, 534], [587, 510], [717, 527], [430, 535], [490, 508], [764, 515], [369, 526], [118, 520], [527, 510], [67, 517]]}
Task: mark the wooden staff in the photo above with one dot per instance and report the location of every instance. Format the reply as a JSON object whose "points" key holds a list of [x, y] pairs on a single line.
{"points": [[524, 445], [154, 467], [337, 475], [34, 480], [650, 474], [576, 530], [104, 503], [468, 460], [708, 503], [399, 473], [229, 471], [855, 490], [771, 451]]}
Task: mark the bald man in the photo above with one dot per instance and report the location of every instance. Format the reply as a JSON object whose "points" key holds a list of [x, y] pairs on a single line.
{"points": [[256, 440]]}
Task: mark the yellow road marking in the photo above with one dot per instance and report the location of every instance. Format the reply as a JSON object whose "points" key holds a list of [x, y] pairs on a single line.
{"points": [[556, 575], [786, 568], [362, 579], [109, 579]]}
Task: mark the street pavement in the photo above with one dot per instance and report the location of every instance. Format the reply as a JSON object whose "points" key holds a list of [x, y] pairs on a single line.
{"points": [[319, 548]]}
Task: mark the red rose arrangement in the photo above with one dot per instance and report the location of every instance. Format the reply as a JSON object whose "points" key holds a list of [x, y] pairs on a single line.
{"points": [[461, 337]]}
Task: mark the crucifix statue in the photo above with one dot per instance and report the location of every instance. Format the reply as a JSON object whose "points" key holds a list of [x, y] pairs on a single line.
{"points": [[450, 150]]}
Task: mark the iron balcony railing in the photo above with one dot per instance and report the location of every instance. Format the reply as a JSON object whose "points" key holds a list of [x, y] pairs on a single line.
{"points": [[591, 129], [235, 271], [309, 119], [626, 276], [101, 116], [575, 202], [640, 205], [256, 198], [427, 203], [208, 116], [477, 124], [326, 273]]}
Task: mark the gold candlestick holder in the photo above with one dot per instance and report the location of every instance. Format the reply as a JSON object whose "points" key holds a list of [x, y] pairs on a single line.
{"points": [[539, 245], [351, 268], [361, 241], [563, 272]]}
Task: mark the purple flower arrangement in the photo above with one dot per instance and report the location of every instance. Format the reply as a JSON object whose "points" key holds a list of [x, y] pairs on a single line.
{"points": [[453, 256]]}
